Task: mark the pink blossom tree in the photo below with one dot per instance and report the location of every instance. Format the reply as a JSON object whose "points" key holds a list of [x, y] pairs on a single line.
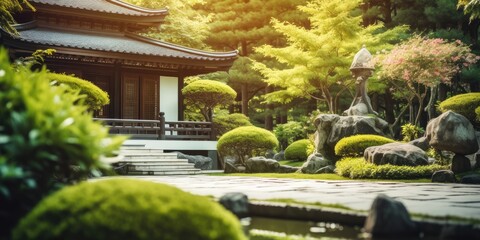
{"points": [[419, 65]]}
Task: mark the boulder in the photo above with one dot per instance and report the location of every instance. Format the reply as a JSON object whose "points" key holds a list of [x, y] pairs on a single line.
{"points": [[287, 169], [470, 179], [314, 163], [401, 154], [201, 162], [235, 202], [233, 168], [460, 164], [270, 154], [330, 128], [389, 218], [261, 165], [326, 169], [452, 132], [444, 176], [279, 156], [421, 143]]}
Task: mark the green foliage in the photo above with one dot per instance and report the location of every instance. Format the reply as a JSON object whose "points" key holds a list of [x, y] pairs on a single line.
{"points": [[411, 132], [7, 8], [139, 210], [354, 146], [95, 98], [246, 141], [357, 168], [299, 150], [44, 131], [225, 123], [289, 132], [439, 156], [477, 112], [464, 104], [471, 7], [206, 95]]}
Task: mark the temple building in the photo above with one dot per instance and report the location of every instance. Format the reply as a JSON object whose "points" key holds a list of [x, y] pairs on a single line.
{"points": [[96, 41]]}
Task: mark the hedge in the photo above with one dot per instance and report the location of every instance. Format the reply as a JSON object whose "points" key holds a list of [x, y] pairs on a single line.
{"points": [[354, 146], [464, 104], [357, 168], [127, 209], [95, 98], [299, 150]]}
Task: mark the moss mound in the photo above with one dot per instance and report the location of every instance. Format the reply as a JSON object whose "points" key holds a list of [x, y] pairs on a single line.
{"points": [[354, 146], [464, 104], [127, 209], [248, 141], [95, 99], [359, 168], [299, 150]]}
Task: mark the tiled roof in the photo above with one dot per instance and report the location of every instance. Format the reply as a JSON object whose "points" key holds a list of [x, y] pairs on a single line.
{"points": [[128, 43], [106, 6]]}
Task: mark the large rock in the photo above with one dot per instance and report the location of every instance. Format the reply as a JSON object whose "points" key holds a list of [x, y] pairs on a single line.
{"points": [[331, 128], [287, 169], [402, 154], [452, 132], [202, 162], [460, 164], [443, 176], [235, 202], [422, 143], [389, 218], [314, 163], [279, 156], [233, 168], [470, 179], [261, 165], [326, 169]]}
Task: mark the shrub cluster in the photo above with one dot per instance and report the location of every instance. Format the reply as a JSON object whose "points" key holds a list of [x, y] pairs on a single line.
{"points": [[246, 141], [225, 123], [354, 146], [299, 150], [411, 132], [289, 132], [356, 168], [464, 104], [46, 140], [95, 98], [477, 112], [140, 210]]}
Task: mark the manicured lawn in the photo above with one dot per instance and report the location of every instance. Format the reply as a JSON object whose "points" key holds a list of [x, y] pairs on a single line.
{"points": [[291, 163], [325, 176]]}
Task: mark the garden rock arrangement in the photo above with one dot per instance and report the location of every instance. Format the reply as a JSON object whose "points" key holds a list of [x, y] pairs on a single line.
{"points": [[331, 128], [444, 176], [314, 163], [401, 154], [200, 162], [257, 165], [453, 132], [235, 202]]}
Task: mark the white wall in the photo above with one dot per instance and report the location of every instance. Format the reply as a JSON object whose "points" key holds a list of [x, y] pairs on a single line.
{"points": [[169, 97]]}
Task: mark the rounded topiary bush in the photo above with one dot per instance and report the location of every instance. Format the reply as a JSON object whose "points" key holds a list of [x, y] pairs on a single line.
{"points": [[95, 98], [246, 141], [464, 104], [355, 145], [127, 209], [225, 123], [298, 150]]}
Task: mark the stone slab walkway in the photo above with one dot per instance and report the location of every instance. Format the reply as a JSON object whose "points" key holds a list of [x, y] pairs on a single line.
{"points": [[427, 198]]}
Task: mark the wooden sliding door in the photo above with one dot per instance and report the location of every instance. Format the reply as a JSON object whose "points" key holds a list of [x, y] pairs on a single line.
{"points": [[140, 96]]}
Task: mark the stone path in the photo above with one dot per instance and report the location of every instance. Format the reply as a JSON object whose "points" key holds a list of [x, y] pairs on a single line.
{"points": [[427, 198]]}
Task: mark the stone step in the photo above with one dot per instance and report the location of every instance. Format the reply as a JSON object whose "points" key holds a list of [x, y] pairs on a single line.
{"points": [[149, 155], [140, 150], [166, 172], [161, 168], [128, 146], [161, 163], [153, 161]]}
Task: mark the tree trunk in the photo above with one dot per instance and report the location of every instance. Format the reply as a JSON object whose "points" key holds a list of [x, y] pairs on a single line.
{"points": [[245, 99], [389, 108], [269, 112], [430, 108], [419, 112]]}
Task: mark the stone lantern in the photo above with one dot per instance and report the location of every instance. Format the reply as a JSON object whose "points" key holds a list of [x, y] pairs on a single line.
{"points": [[361, 68]]}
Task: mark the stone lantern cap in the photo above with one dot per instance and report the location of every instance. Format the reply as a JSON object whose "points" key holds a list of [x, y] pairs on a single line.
{"points": [[362, 60]]}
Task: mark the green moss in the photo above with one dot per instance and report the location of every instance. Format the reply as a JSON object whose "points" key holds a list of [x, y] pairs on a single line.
{"points": [[246, 141], [465, 104], [225, 123], [127, 209], [354, 146], [358, 168], [95, 98], [298, 150]]}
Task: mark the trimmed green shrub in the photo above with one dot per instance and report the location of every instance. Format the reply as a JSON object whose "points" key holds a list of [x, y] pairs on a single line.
{"points": [[354, 146], [299, 150], [464, 104], [411, 132], [356, 168], [95, 98], [127, 209], [205, 95], [289, 132], [225, 123], [46, 140], [477, 112], [246, 142]]}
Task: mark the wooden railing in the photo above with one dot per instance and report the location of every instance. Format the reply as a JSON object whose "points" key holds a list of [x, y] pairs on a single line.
{"points": [[160, 129]]}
